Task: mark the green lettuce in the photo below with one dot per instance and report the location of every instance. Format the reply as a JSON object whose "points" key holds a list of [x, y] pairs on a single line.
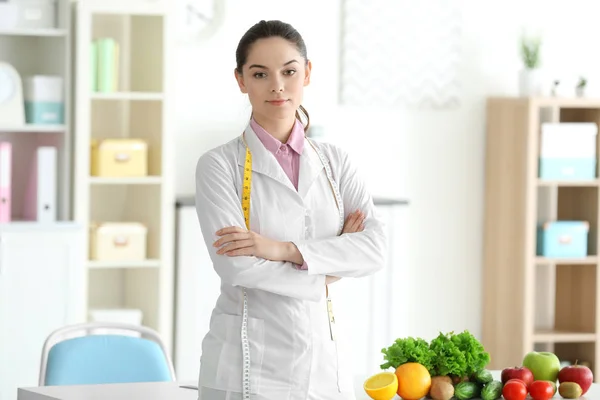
{"points": [[448, 359], [407, 350], [475, 355], [459, 355]]}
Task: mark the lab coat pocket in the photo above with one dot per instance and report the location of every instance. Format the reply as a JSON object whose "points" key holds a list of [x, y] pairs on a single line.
{"points": [[230, 367]]}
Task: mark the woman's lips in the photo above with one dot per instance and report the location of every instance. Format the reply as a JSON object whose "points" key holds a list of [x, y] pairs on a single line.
{"points": [[277, 102]]}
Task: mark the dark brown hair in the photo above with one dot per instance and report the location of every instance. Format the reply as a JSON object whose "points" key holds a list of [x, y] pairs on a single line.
{"points": [[266, 29]]}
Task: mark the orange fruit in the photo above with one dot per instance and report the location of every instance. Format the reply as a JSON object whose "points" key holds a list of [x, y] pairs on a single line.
{"points": [[382, 386], [414, 381]]}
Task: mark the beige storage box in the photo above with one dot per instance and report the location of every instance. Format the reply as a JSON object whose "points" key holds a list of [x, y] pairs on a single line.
{"points": [[118, 241], [119, 158]]}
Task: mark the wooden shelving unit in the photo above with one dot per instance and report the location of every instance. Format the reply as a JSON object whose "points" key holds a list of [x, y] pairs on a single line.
{"points": [[531, 302], [139, 108]]}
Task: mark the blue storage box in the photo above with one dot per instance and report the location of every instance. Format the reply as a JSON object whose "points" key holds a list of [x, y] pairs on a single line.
{"points": [[44, 112], [568, 168], [563, 239]]}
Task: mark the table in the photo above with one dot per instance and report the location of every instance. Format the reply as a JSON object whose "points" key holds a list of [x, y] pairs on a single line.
{"points": [[168, 390]]}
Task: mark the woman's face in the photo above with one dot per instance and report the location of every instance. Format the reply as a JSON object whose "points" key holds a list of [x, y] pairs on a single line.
{"points": [[274, 77]]}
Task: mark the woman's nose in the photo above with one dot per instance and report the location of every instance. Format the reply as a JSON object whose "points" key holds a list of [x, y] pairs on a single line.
{"points": [[277, 85]]}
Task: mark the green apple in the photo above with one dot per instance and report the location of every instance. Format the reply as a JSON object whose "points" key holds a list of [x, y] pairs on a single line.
{"points": [[544, 365]]}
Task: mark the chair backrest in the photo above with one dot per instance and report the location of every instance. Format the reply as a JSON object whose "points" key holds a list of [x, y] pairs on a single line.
{"points": [[78, 355]]}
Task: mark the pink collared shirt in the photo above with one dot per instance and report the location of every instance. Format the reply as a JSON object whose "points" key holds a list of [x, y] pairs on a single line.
{"points": [[286, 154]]}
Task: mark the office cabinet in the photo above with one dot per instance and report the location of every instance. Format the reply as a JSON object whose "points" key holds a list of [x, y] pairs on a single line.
{"points": [[41, 289]]}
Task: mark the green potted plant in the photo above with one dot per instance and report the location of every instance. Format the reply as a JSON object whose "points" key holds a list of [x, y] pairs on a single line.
{"points": [[530, 79], [580, 88]]}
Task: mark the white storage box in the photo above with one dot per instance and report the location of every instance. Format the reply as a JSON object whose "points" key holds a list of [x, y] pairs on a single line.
{"points": [[28, 14], [118, 241], [116, 315], [44, 99], [568, 151]]}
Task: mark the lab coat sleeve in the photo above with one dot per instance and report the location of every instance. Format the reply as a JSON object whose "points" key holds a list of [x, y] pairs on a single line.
{"points": [[355, 254], [218, 206]]}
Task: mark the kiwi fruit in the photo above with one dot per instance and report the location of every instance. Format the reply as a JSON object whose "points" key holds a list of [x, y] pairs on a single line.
{"points": [[570, 390], [441, 388]]}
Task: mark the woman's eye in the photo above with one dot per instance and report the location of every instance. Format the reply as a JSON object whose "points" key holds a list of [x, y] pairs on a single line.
{"points": [[290, 72], [260, 75]]}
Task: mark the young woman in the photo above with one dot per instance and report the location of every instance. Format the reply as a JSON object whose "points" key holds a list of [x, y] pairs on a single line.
{"points": [[283, 218]]}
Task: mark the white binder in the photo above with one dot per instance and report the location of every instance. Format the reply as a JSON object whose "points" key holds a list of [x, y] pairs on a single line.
{"points": [[41, 196]]}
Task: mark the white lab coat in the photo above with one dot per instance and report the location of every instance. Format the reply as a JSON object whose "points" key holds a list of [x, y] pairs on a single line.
{"points": [[292, 354]]}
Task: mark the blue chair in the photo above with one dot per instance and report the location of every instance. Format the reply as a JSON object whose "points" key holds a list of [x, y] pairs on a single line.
{"points": [[80, 355]]}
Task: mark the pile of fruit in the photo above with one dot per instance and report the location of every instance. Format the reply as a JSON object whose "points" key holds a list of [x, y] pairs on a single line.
{"points": [[454, 366], [538, 375]]}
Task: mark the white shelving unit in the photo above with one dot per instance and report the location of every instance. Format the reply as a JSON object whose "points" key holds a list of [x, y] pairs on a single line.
{"points": [[138, 109], [41, 52], [42, 265]]}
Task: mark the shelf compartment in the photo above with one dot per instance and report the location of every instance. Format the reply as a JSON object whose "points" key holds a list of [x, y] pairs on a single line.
{"points": [[24, 148], [583, 115], [133, 120], [580, 204], [140, 54], [114, 203], [35, 55], [565, 304], [94, 264], [127, 288], [575, 298]]}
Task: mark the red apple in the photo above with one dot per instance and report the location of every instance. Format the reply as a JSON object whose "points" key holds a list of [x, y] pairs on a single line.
{"points": [[522, 373], [579, 374]]}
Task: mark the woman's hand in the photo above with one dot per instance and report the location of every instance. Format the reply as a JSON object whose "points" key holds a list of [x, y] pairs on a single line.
{"points": [[355, 222], [235, 241]]}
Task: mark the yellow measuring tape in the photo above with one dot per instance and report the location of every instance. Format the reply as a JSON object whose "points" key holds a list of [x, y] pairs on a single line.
{"points": [[247, 186]]}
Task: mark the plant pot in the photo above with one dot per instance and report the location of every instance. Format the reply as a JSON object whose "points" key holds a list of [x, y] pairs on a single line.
{"points": [[580, 92], [530, 82]]}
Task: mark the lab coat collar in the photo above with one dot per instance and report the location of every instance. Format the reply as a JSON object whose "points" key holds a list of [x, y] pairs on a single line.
{"points": [[310, 168], [264, 162]]}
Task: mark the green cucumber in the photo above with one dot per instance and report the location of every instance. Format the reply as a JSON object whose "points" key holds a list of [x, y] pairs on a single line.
{"points": [[484, 376], [467, 390], [492, 390]]}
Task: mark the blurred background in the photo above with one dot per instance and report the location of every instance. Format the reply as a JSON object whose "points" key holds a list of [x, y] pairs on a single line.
{"points": [[472, 122]]}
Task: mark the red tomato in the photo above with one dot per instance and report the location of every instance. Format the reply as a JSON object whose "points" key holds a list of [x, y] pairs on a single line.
{"points": [[541, 390], [514, 389]]}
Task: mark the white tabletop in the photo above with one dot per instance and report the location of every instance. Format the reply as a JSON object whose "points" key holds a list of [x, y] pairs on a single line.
{"points": [[167, 390], [120, 391]]}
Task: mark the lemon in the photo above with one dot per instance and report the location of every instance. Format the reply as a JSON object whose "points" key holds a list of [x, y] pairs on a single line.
{"points": [[382, 386]]}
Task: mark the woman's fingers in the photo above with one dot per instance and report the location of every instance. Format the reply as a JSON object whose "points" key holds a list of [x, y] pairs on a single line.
{"points": [[230, 238], [230, 229], [239, 244], [354, 221]]}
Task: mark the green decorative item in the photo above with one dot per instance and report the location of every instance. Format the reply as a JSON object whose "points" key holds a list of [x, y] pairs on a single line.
{"points": [[530, 80], [530, 52], [580, 88]]}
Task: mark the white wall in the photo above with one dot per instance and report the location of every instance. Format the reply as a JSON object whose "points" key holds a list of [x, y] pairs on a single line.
{"points": [[436, 159]]}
